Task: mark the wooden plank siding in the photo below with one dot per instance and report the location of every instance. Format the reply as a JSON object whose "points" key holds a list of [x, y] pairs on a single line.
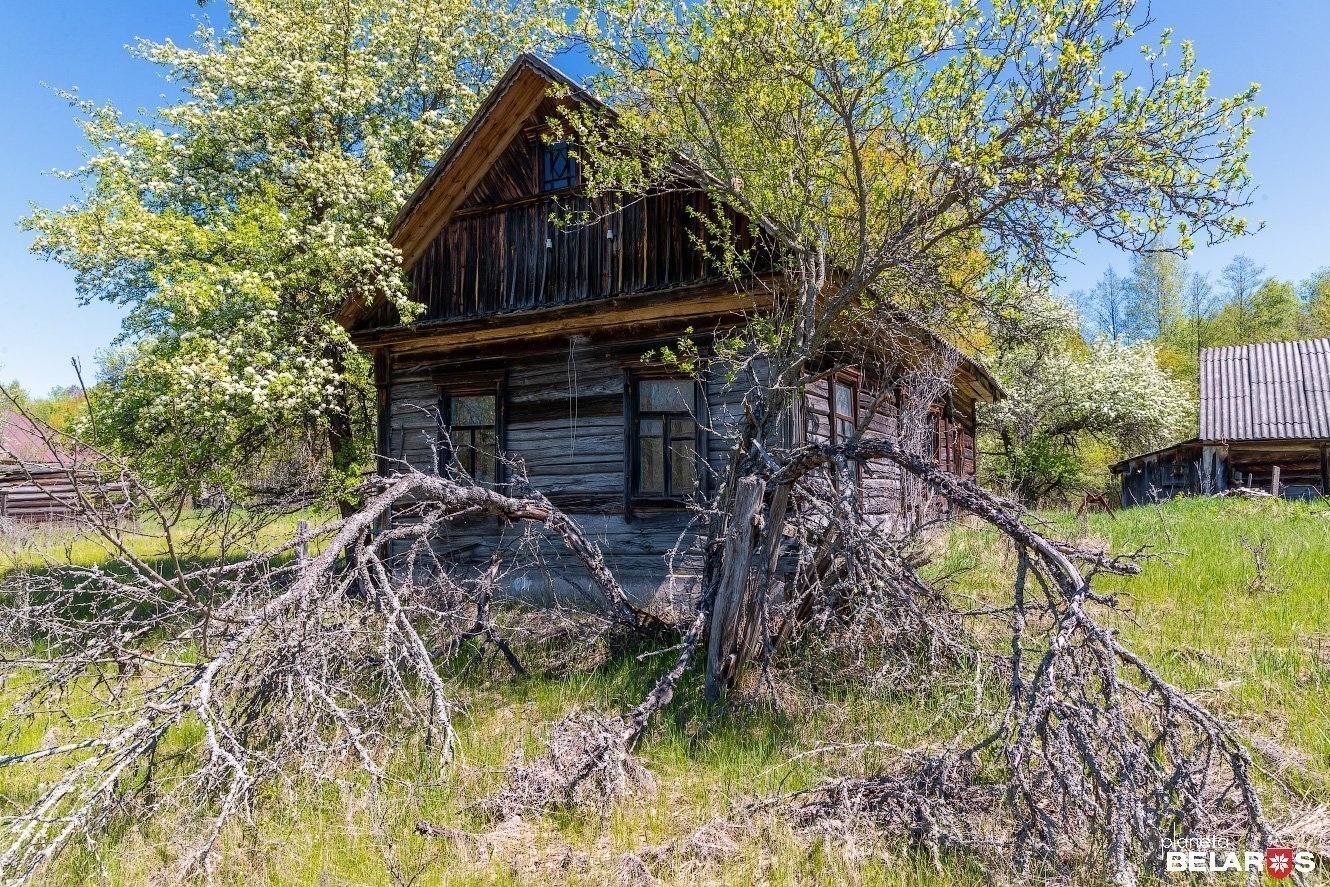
{"points": [[519, 257], [510, 247], [881, 491], [41, 493], [563, 417]]}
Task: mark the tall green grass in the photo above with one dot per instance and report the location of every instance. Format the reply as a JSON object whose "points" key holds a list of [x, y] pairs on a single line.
{"points": [[1258, 651]]}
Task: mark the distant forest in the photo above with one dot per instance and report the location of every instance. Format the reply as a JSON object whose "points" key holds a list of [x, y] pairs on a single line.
{"points": [[1161, 300]]}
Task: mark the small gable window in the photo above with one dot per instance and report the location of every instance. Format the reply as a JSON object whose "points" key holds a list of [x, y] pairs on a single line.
{"points": [[558, 166]]}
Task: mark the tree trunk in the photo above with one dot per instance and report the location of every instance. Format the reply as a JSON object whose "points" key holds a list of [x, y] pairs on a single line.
{"points": [[341, 447], [342, 432], [731, 616], [748, 563]]}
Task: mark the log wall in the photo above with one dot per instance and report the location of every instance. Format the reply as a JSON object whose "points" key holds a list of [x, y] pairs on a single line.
{"points": [[512, 247], [38, 494], [563, 417], [1304, 470]]}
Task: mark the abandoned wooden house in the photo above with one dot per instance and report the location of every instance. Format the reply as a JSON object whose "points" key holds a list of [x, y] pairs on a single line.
{"points": [[1264, 424], [532, 343], [39, 483]]}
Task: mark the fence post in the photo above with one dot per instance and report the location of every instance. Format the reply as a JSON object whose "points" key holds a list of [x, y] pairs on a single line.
{"points": [[1274, 482], [302, 545]]}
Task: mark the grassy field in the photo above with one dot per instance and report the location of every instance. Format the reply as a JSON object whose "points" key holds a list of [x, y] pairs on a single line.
{"points": [[30, 547], [1236, 607]]}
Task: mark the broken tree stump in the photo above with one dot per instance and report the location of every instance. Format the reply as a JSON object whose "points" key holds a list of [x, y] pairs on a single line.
{"points": [[732, 616]]}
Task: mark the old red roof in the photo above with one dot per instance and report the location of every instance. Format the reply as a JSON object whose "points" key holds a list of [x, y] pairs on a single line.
{"points": [[20, 439]]}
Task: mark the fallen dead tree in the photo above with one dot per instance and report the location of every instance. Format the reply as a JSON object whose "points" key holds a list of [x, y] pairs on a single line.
{"points": [[288, 664], [298, 664], [1091, 749]]}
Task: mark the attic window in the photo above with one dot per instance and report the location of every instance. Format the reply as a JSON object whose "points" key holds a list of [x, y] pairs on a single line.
{"points": [[558, 166]]}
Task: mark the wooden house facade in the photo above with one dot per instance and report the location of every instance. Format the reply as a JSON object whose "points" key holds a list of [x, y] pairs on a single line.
{"points": [[1264, 424], [532, 340]]}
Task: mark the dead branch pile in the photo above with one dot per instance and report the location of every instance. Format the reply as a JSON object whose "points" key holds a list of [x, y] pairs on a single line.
{"points": [[586, 760], [287, 664], [1092, 749], [933, 800], [284, 664]]}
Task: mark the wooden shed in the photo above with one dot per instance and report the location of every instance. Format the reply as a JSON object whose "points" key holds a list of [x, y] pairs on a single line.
{"points": [[40, 483], [1264, 423], [533, 335], [34, 493]]}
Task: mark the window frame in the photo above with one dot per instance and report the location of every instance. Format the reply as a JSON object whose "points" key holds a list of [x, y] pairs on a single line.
{"points": [[935, 432], [854, 383], [549, 151], [633, 415], [448, 450]]}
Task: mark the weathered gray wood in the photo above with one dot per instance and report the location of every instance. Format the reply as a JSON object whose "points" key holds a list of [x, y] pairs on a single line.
{"points": [[729, 627], [564, 413]]}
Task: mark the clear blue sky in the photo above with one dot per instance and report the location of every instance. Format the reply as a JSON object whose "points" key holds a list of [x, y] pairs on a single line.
{"points": [[1281, 44]]}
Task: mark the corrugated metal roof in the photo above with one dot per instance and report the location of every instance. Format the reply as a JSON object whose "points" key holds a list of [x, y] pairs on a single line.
{"points": [[1267, 391]]}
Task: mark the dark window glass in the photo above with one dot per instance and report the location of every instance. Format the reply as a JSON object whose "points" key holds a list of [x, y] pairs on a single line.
{"points": [[665, 396], [683, 464], [558, 168], [844, 412], [473, 410], [651, 448], [666, 447], [473, 430]]}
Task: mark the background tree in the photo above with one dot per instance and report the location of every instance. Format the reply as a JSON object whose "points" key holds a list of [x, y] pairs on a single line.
{"points": [[1241, 278], [60, 408], [1155, 292], [234, 220], [1073, 408], [1106, 305], [1275, 310], [1198, 310], [1316, 302]]}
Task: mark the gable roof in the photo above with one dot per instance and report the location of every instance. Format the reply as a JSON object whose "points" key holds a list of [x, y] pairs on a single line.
{"points": [[1268, 391], [498, 119], [496, 122], [20, 438]]}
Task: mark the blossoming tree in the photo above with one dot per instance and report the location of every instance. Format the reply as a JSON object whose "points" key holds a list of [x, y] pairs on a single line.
{"points": [[234, 220]]}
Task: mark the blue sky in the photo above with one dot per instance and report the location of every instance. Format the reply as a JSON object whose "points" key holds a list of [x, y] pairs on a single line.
{"points": [[1280, 44]]}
